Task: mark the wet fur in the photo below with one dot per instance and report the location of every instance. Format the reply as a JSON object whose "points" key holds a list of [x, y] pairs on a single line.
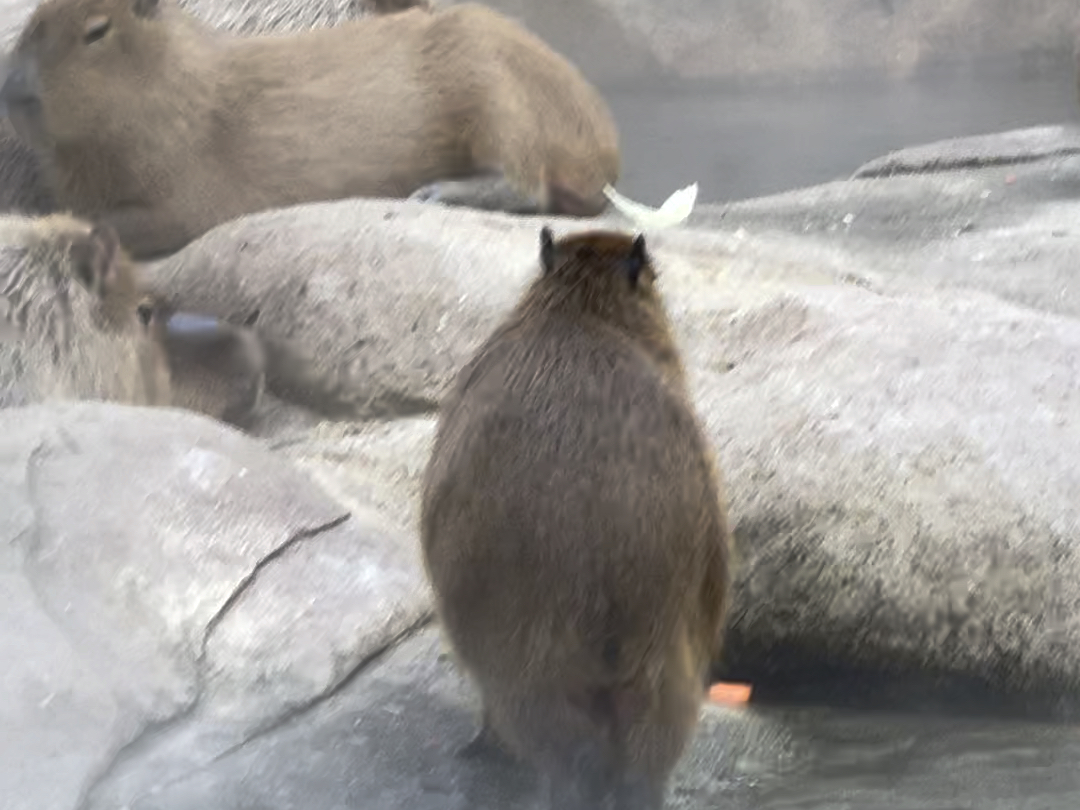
{"points": [[574, 532], [74, 316], [78, 321], [165, 127]]}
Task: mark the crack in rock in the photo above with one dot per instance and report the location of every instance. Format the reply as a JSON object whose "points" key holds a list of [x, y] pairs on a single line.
{"points": [[361, 666], [145, 737], [300, 710], [949, 164]]}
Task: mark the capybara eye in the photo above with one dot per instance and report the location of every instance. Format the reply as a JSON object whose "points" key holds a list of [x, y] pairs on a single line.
{"points": [[96, 28]]}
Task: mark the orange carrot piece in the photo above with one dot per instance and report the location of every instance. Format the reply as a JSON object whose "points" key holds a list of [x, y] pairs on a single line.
{"points": [[730, 693]]}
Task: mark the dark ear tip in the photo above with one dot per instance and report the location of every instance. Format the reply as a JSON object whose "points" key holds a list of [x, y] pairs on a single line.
{"points": [[547, 249], [637, 259]]}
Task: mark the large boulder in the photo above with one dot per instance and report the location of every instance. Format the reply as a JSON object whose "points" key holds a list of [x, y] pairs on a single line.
{"points": [[898, 449], [385, 298], [170, 590], [186, 621], [996, 213], [389, 739]]}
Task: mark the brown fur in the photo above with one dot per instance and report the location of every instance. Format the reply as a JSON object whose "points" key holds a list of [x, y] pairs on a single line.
{"points": [[23, 187], [75, 320], [78, 321], [574, 532], [165, 127]]}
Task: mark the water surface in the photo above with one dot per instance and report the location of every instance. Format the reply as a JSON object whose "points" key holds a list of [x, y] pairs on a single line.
{"points": [[847, 760], [740, 142]]}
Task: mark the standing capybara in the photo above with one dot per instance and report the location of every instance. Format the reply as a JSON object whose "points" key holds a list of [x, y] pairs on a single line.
{"points": [[574, 532], [146, 118]]}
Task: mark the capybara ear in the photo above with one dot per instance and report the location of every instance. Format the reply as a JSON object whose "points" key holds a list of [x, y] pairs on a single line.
{"points": [[547, 249], [145, 8], [92, 257], [106, 243], [637, 259]]}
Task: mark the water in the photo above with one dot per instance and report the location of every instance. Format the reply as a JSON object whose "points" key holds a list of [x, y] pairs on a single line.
{"points": [[867, 761], [740, 142]]}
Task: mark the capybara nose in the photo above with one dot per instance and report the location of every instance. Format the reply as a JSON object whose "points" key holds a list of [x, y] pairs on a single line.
{"points": [[17, 88]]}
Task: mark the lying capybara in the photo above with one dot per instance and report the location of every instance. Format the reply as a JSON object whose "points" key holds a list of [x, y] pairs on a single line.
{"points": [[147, 119]]}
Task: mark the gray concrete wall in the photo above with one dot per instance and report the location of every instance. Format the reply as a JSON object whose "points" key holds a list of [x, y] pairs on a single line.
{"points": [[785, 39], [791, 39]]}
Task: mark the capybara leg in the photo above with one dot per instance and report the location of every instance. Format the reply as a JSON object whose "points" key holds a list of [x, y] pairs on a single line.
{"points": [[564, 742], [579, 777], [485, 193], [639, 792], [485, 745], [656, 738]]}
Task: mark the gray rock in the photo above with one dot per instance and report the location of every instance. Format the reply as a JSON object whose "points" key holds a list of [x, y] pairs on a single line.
{"points": [[171, 590], [384, 298], [880, 444], [373, 464], [902, 486], [1016, 146], [388, 740], [993, 213]]}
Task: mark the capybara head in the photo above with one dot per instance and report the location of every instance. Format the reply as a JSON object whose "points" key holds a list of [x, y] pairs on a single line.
{"points": [[604, 272], [77, 62], [96, 262], [609, 276], [80, 324]]}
